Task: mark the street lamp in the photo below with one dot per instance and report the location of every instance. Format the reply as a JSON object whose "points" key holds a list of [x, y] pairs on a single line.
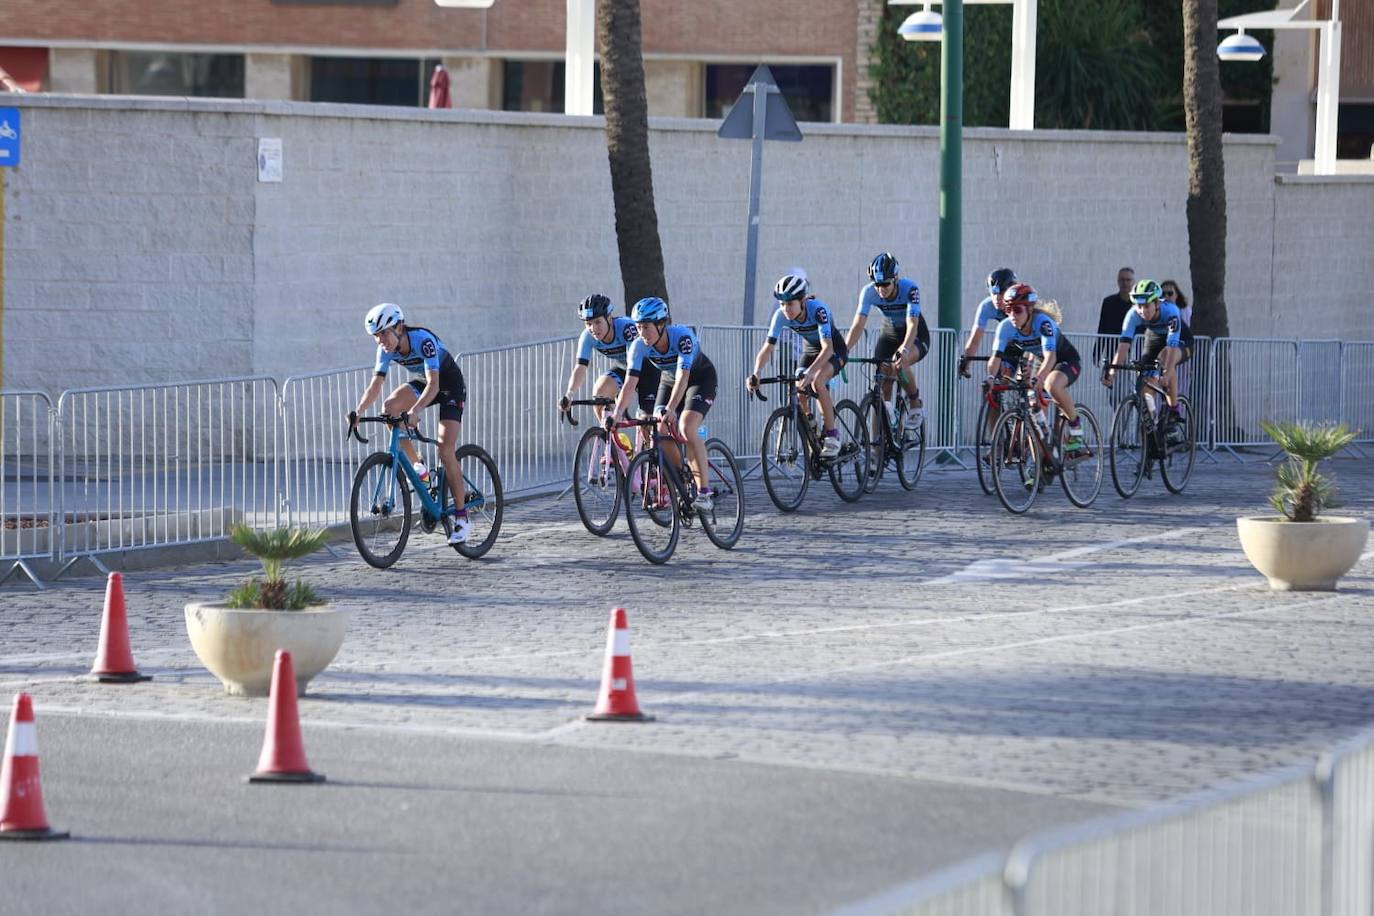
{"points": [[1244, 47], [925, 25]]}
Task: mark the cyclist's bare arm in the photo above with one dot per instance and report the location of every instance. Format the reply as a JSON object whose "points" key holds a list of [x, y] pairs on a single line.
{"points": [[432, 386], [856, 330], [765, 353], [370, 393], [575, 380]]}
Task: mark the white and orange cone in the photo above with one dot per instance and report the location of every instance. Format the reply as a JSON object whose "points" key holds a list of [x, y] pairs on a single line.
{"points": [[283, 752], [21, 793], [616, 702], [114, 660]]}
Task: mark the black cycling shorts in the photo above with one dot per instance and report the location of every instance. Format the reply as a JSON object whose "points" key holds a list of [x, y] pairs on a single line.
{"points": [[453, 391], [701, 387], [1155, 343], [838, 358], [892, 338], [645, 391]]}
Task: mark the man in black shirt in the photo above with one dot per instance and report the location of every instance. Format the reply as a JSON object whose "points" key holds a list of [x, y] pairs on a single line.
{"points": [[1113, 314]]}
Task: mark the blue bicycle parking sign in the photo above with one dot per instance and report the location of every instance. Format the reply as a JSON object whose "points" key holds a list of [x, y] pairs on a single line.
{"points": [[9, 137]]}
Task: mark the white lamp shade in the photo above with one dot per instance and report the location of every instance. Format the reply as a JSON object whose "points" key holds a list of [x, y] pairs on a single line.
{"points": [[923, 25], [1240, 47], [466, 4]]}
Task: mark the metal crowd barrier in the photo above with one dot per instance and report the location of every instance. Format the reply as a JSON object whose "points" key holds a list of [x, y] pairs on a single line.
{"points": [[1253, 380], [1357, 388], [318, 461], [28, 525]]}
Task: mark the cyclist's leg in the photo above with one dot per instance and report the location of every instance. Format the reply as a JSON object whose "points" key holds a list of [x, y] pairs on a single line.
{"points": [[883, 350], [823, 376], [608, 386], [1169, 360], [914, 354], [1057, 386], [399, 401], [451, 402], [696, 404]]}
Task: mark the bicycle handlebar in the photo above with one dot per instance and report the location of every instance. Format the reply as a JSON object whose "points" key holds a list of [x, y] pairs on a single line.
{"points": [[584, 402], [356, 421], [1140, 365]]}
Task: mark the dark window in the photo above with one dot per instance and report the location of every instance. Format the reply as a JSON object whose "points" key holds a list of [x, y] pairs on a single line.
{"points": [[335, 2], [1355, 131], [158, 73], [537, 85], [371, 80], [809, 90]]}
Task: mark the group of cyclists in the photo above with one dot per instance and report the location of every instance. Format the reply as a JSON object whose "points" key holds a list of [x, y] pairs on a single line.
{"points": [[658, 368]]}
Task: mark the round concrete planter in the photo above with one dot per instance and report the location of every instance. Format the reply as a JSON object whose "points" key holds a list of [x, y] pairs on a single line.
{"points": [[239, 645], [1303, 556]]}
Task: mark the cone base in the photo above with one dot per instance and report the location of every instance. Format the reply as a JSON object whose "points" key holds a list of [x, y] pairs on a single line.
{"points": [[618, 717], [307, 776], [45, 834], [119, 677]]}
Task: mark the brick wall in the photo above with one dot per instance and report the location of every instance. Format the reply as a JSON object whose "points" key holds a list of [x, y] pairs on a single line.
{"points": [[139, 241]]}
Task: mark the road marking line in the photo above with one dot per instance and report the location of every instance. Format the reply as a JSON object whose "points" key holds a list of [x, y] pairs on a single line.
{"points": [[1012, 568]]}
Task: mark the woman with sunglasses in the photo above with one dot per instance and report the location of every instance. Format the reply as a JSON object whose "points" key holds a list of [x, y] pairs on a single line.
{"points": [[1167, 339], [988, 316], [1030, 321], [905, 339], [1172, 292]]}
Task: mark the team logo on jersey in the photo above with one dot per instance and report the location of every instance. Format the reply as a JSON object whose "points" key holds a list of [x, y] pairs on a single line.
{"points": [[822, 316], [1173, 325], [684, 345], [631, 332], [914, 295], [1046, 328], [428, 350]]}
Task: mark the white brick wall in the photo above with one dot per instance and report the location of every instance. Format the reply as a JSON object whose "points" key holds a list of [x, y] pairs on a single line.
{"points": [[137, 233]]}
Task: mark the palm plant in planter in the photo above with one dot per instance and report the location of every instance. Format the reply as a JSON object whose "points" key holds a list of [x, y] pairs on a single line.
{"points": [[1299, 549], [238, 639]]}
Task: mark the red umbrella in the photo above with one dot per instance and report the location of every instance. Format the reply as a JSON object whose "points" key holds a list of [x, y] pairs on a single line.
{"points": [[438, 88]]}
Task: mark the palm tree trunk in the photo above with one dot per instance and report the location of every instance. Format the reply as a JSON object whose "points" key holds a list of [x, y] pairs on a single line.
{"points": [[1206, 168], [627, 145]]}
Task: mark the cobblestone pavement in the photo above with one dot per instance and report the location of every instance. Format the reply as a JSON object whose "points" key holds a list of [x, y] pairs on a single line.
{"points": [[1122, 654]]}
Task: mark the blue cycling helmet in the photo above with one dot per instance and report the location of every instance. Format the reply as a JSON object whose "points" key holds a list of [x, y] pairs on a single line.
{"points": [[883, 269], [650, 308]]}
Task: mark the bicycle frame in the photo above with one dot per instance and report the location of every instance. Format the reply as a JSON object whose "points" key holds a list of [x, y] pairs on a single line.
{"points": [[617, 451], [807, 430], [668, 468], [385, 493]]}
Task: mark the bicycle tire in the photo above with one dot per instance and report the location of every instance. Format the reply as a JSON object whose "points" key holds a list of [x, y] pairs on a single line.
{"points": [[785, 459], [1176, 476], [597, 483], [484, 500], [982, 446], [1128, 448], [1016, 466], [911, 450], [367, 483], [871, 414], [1082, 480], [652, 513], [849, 472], [724, 521]]}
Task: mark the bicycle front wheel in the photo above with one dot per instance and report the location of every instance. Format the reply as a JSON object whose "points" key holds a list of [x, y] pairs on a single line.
{"points": [[596, 481], [1015, 463], [1082, 477], [724, 521], [484, 500], [872, 413], [652, 512], [786, 467], [982, 446], [379, 510], [911, 449], [849, 472], [1177, 464], [1128, 455]]}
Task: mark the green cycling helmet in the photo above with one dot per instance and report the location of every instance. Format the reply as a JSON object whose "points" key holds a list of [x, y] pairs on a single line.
{"points": [[1145, 292]]}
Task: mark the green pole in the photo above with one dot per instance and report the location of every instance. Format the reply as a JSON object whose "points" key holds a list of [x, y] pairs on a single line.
{"points": [[951, 198]]}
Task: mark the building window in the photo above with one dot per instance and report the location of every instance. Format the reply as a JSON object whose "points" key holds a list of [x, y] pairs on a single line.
{"points": [[537, 85], [1354, 131], [162, 73], [809, 89], [371, 80]]}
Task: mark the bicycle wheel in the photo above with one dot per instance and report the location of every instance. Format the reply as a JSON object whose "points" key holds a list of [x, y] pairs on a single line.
{"points": [[1015, 463], [1082, 477], [911, 451], [849, 472], [1128, 456], [652, 512], [1177, 465], [724, 521], [982, 447], [871, 411], [484, 499], [596, 481], [786, 466], [379, 510]]}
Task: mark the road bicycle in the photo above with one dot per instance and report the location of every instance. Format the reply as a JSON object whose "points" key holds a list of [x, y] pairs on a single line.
{"points": [[663, 492], [790, 453], [1025, 454], [380, 503], [1139, 439], [891, 441], [599, 466]]}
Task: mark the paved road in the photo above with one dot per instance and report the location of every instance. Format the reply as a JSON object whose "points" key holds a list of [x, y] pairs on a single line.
{"points": [[855, 696]]}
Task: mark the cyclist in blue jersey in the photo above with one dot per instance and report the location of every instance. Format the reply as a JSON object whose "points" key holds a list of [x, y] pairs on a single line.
{"points": [[987, 317], [824, 355], [1167, 339], [1031, 321], [687, 382], [611, 337], [420, 352], [905, 339]]}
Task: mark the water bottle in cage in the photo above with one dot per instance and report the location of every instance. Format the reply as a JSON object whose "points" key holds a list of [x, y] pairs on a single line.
{"points": [[704, 431], [1042, 421], [1152, 403]]}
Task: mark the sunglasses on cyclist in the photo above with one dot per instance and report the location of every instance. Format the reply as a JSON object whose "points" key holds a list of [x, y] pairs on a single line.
{"points": [[1141, 300]]}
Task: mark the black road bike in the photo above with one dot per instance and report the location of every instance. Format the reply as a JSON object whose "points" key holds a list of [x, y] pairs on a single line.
{"points": [[791, 449], [1026, 452], [891, 441], [1142, 435]]}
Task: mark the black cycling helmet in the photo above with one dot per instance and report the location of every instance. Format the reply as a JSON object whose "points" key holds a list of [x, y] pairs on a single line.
{"points": [[883, 269], [1000, 279], [594, 306]]}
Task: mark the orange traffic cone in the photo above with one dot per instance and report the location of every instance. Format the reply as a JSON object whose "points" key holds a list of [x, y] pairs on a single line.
{"points": [[616, 702], [283, 753], [21, 793], [114, 663]]}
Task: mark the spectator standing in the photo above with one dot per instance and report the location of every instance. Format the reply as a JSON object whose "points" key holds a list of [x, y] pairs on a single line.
{"points": [[1174, 293], [1113, 314]]}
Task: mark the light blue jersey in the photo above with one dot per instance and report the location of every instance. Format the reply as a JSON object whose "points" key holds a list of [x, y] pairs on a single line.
{"points": [[1168, 323], [427, 353], [681, 353], [988, 314], [623, 334], [904, 306], [814, 325], [1043, 330]]}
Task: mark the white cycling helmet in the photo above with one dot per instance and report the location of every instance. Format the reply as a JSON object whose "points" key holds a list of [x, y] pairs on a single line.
{"points": [[381, 317]]}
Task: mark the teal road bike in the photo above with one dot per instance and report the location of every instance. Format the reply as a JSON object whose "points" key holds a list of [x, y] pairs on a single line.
{"points": [[380, 506]]}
